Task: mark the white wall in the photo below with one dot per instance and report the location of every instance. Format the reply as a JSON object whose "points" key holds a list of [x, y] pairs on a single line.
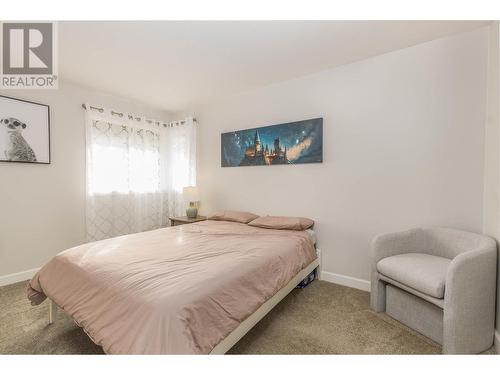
{"points": [[403, 146], [42, 207], [491, 224]]}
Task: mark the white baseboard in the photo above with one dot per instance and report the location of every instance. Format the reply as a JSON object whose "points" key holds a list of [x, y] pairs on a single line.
{"points": [[346, 280], [18, 276], [497, 341]]}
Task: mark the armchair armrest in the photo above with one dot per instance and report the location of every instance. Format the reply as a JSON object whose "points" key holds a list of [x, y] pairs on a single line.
{"points": [[469, 302], [384, 246]]}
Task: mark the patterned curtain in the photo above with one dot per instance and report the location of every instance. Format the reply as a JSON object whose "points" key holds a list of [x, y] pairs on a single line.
{"points": [[136, 169]]}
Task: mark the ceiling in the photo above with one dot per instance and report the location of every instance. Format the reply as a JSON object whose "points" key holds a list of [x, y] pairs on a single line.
{"points": [[172, 65]]}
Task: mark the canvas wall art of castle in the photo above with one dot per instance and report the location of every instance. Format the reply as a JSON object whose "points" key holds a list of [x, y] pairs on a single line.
{"points": [[290, 143]]}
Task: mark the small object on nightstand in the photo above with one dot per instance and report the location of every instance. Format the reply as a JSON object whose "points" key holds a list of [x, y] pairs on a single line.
{"points": [[191, 195], [185, 220]]}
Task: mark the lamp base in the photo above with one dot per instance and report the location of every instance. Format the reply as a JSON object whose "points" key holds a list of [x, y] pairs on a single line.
{"points": [[192, 212]]}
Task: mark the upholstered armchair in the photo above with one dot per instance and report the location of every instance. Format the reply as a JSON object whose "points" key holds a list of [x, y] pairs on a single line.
{"points": [[441, 282]]}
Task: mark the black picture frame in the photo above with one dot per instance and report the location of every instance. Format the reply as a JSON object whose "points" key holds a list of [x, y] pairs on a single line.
{"points": [[44, 150]]}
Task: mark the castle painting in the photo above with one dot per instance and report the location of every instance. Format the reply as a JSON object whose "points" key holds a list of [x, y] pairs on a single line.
{"points": [[291, 143]]}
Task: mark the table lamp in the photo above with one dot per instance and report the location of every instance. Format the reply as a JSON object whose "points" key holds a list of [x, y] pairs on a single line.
{"points": [[191, 196]]}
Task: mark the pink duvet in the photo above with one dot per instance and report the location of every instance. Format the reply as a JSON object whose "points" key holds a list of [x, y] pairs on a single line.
{"points": [[174, 290]]}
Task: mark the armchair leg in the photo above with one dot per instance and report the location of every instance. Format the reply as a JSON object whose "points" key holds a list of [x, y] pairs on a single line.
{"points": [[52, 311], [469, 335], [377, 295]]}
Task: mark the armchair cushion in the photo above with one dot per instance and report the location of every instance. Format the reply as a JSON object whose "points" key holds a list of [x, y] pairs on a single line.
{"points": [[422, 272]]}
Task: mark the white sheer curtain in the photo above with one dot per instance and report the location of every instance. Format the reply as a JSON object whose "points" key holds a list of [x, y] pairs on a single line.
{"points": [[136, 169], [178, 161]]}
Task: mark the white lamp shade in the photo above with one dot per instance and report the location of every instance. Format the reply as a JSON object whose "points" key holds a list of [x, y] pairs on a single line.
{"points": [[190, 194]]}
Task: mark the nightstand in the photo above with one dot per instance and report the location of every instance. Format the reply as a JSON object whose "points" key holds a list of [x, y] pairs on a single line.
{"points": [[180, 220]]}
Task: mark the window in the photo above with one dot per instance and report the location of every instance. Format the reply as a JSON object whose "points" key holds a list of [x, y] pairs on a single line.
{"points": [[123, 159], [136, 170]]}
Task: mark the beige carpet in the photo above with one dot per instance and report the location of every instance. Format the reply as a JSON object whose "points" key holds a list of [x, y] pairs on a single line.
{"points": [[323, 318]]}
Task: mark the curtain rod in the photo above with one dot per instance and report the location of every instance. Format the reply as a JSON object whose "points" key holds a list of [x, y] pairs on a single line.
{"points": [[131, 117]]}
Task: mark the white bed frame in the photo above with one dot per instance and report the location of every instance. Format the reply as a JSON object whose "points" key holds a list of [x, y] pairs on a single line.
{"points": [[261, 312], [253, 319]]}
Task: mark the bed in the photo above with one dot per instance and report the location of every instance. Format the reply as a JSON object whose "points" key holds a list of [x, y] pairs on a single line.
{"points": [[191, 289]]}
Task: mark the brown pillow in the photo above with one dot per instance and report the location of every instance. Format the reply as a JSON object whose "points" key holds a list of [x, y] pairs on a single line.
{"points": [[282, 222], [238, 216]]}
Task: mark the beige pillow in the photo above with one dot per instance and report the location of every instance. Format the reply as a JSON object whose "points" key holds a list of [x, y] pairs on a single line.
{"points": [[238, 216], [282, 222]]}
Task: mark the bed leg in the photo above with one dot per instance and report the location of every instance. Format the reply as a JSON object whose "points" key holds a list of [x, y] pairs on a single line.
{"points": [[52, 311], [318, 269]]}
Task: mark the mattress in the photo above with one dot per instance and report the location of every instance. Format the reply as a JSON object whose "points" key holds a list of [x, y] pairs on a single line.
{"points": [[174, 290]]}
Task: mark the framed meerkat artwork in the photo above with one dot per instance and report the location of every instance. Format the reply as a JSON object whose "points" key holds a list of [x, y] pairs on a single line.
{"points": [[24, 131]]}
